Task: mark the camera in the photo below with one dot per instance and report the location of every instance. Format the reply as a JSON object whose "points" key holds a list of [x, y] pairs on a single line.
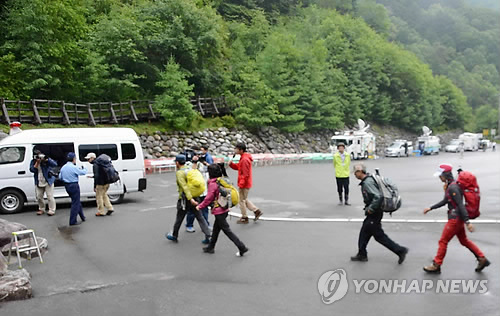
{"points": [[39, 156]]}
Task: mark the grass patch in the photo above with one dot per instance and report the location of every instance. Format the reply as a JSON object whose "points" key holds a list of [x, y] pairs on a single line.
{"points": [[198, 124]]}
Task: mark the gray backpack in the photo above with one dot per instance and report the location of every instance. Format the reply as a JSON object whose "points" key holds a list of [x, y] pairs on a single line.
{"points": [[391, 200]]}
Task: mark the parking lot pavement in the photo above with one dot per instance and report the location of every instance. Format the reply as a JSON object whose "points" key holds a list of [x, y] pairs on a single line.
{"points": [[123, 265]]}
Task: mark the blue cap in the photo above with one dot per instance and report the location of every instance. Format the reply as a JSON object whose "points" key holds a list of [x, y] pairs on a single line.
{"points": [[71, 156], [180, 158]]}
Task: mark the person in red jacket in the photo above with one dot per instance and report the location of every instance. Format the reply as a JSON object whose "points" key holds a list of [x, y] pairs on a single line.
{"points": [[244, 168]]}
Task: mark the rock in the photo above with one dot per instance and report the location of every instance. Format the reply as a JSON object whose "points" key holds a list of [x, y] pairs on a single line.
{"points": [[3, 265], [157, 137], [15, 285], [151, 139], [148, 156], [6, 229], [188, 140], [157, 149], [169, 143]]}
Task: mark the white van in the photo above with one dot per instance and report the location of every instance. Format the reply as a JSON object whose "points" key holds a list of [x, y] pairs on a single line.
{"points": [[16, 152]]}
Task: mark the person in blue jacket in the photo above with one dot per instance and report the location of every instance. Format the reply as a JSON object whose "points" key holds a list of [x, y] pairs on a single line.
{"points": [[69, 175], [41, 167]]}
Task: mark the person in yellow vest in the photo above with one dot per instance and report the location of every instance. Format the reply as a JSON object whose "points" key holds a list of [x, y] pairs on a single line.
{"points": [[342, 164]]}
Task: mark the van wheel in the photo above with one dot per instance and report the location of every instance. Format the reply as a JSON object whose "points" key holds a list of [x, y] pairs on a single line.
{"points": [[352, 156], [11, 201], [366, 155], [116, 198]]}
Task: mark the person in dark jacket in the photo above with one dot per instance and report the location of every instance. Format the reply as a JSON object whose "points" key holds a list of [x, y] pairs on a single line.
{"points": [[101, 185], [215, 172], [372, 225], [41, 167], [457, 218]]}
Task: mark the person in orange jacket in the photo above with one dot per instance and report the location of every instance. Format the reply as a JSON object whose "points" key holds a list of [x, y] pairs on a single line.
{"points": [[244, 167]]}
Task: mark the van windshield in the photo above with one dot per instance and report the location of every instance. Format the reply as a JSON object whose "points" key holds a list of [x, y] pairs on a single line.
{"points": [[346, 142]]}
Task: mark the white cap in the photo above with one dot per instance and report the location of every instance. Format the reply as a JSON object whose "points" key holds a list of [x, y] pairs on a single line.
{"points": [[90, 155]]}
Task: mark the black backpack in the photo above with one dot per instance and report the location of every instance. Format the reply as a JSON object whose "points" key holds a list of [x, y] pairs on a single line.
{"points": [[110, 175], [391, 200]]}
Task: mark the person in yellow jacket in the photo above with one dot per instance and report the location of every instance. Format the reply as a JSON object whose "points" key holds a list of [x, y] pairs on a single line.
{"points": [[342, 164], [186, 202]]}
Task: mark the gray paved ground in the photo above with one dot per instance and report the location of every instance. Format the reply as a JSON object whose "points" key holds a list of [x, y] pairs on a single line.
{"points": [[122, 265]]}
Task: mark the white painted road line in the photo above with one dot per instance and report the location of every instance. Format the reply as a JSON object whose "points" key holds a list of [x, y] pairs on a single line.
{"points": [[157, 208], [347, 220]]}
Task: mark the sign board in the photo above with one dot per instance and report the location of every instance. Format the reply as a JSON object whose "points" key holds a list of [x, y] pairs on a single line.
{"points": [[486, 132]]}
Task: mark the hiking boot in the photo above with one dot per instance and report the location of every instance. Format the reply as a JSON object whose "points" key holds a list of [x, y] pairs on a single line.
{"points": [[482, 263], [402, 255], [205, 241], [190, 229], [360, 258], [242, 252], [433, 268], [243, 220], [171, 237], [258, 214], [208, 250]]}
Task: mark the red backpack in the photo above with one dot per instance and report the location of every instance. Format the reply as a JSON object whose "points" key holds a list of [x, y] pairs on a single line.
{"points": [[468, 184]]}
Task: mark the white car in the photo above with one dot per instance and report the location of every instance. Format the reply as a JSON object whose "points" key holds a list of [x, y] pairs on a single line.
{"points": [[397, 149], [454, 146]]}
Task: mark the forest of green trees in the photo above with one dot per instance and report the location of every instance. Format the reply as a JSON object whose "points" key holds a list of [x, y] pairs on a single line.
{"points": [[298, 65]]}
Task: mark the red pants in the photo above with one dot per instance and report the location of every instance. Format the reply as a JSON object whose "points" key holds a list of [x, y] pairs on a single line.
{"points": [[452, 228]]}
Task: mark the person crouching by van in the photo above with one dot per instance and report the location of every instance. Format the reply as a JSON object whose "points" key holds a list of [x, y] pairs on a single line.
{"points": [[457, 219], [69, 175], [41, 167], [101, 185], [186, 202], [215, 172]]}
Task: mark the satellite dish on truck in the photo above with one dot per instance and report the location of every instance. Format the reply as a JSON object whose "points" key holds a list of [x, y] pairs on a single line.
{"points": [[427, 131], [362, 125]]}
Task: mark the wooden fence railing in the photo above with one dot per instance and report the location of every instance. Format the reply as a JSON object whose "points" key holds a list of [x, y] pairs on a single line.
{"points": [[39, 111]]}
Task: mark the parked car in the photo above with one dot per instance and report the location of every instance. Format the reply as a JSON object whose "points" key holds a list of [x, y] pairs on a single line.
{"points": [[16, 151], [455, 146], [397, 149]]}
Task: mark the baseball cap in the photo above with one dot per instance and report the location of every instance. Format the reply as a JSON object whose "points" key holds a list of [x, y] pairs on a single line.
{"points": [[90, 155], [180, 158], [71, 156], [445, 167]]}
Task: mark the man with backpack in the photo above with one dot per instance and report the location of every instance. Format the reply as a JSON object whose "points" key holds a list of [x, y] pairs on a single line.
{"points": [[185, 177], [372, 225], [244, 167], [342, 165], [220, 209], [458, 216], [197, 164], [101, 167]]}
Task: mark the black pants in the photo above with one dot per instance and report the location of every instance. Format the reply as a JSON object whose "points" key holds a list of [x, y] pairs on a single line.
{"points": [[183, 207], [372, 226], [222, 224], [343, 185]]}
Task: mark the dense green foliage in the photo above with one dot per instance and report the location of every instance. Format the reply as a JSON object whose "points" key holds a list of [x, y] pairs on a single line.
{"points": [[298, 65], [457, 40]]}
